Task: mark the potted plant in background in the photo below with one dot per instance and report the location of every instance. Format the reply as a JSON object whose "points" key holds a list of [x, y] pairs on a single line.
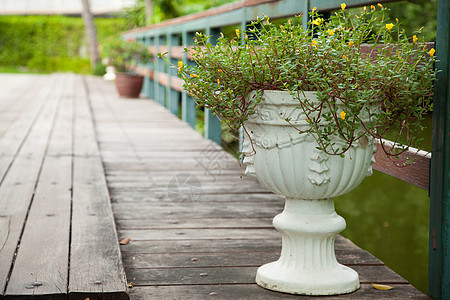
{"points": [[312, 105], [120, 54]]}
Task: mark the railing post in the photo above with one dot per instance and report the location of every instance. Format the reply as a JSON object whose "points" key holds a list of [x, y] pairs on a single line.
{"points": [[439, 234], [161, 69], [188, 106], [149, 66], [213, 130], [172, 95]]}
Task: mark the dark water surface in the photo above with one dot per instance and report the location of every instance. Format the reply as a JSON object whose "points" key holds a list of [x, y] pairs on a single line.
{"points": [[389, 218]]}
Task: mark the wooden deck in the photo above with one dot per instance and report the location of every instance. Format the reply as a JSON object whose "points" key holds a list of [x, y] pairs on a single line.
{"points": [[197, 230]]}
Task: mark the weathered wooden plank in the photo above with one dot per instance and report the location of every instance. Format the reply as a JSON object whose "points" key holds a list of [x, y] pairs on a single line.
{"points": [[12, 140], [216, 245], [254, 292], [199, 211], [17, 187], [204, 223], [234, 259], [95, 262], [44, 247], [127, 196], [229, 275], [189, 234]]}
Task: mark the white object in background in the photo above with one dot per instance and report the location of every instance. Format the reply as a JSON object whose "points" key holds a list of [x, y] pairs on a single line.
{"points": [[110, 73]]}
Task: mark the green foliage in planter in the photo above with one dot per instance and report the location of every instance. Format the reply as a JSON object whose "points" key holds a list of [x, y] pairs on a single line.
{"points": [[49, 43], [326, 57], [121, 53]]}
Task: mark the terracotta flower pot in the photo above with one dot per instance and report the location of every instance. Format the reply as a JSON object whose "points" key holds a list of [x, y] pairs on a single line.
{"points": [[129, 85]]}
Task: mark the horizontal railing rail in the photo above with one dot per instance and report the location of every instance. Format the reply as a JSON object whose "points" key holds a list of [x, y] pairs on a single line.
{"points": [[162, 84]]}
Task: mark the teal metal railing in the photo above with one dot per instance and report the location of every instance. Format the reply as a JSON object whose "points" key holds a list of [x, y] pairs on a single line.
{"points": [[162, 84]]}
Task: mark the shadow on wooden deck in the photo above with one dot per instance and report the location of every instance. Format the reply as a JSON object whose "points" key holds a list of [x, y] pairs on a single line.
{"points": [[197, 230]]}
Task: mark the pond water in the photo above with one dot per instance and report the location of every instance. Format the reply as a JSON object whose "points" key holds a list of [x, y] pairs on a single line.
{"points": [[389, 218]]}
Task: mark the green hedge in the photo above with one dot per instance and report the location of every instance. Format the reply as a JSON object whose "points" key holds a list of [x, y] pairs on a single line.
{"points": [[50, 43]]}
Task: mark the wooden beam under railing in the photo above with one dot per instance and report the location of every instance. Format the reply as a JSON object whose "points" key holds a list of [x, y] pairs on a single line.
{"points": [[416, 173]]}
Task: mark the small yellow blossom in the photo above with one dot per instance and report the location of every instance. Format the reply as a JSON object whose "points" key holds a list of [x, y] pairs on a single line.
{"points": [[389, 26], [345, 57], [318, 21], [218, 81], [180, 64], [379, 4], [365, 9], [219, 70], [194, 75], [330, 31], [343, 5], [372, 7], [342, 114], [314, 43], [431, 52], [314, 9], [396, 20], [237, 32], [350, 44], [415, 39]]}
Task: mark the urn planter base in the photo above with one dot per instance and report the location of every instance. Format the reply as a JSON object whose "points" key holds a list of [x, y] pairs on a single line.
{"points": [[307, 264]]}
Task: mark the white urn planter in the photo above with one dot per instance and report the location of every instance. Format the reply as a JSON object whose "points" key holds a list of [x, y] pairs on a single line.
{"points": [[288, 163]]}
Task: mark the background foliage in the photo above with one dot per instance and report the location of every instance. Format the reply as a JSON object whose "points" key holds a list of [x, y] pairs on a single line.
{"points": [[49, 43]]}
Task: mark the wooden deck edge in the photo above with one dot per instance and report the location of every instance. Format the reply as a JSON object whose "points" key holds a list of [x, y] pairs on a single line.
{"points": [[120, 295], [94, 236]]}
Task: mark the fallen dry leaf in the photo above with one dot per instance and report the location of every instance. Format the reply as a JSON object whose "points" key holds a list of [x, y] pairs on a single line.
{"points": [[124, 241], [382, 287]]}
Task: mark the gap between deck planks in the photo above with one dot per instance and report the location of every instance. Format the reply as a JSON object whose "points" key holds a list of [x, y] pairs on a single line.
{"points": [[56, 224], [207, 240]]}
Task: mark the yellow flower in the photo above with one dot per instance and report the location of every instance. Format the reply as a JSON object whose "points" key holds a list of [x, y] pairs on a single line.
{"points": [[218, 81], [396, 20], [372, 7], [365, 9], [318, 21], [330, 31], [237, 32], [415, 38], [345, 57], [314, 9], [219, 70], [389, 26], [350, 44], [379, 4], [194, 75], [180, 64], [343, 6], [431, 52], [342, 114], [314, 43]]}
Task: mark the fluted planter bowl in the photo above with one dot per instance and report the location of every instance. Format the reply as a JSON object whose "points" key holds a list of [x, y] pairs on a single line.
{"points": [[288, 163]]}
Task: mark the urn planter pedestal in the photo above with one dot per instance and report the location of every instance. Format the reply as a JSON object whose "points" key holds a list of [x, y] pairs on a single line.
{"points": [[288, 163]]}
